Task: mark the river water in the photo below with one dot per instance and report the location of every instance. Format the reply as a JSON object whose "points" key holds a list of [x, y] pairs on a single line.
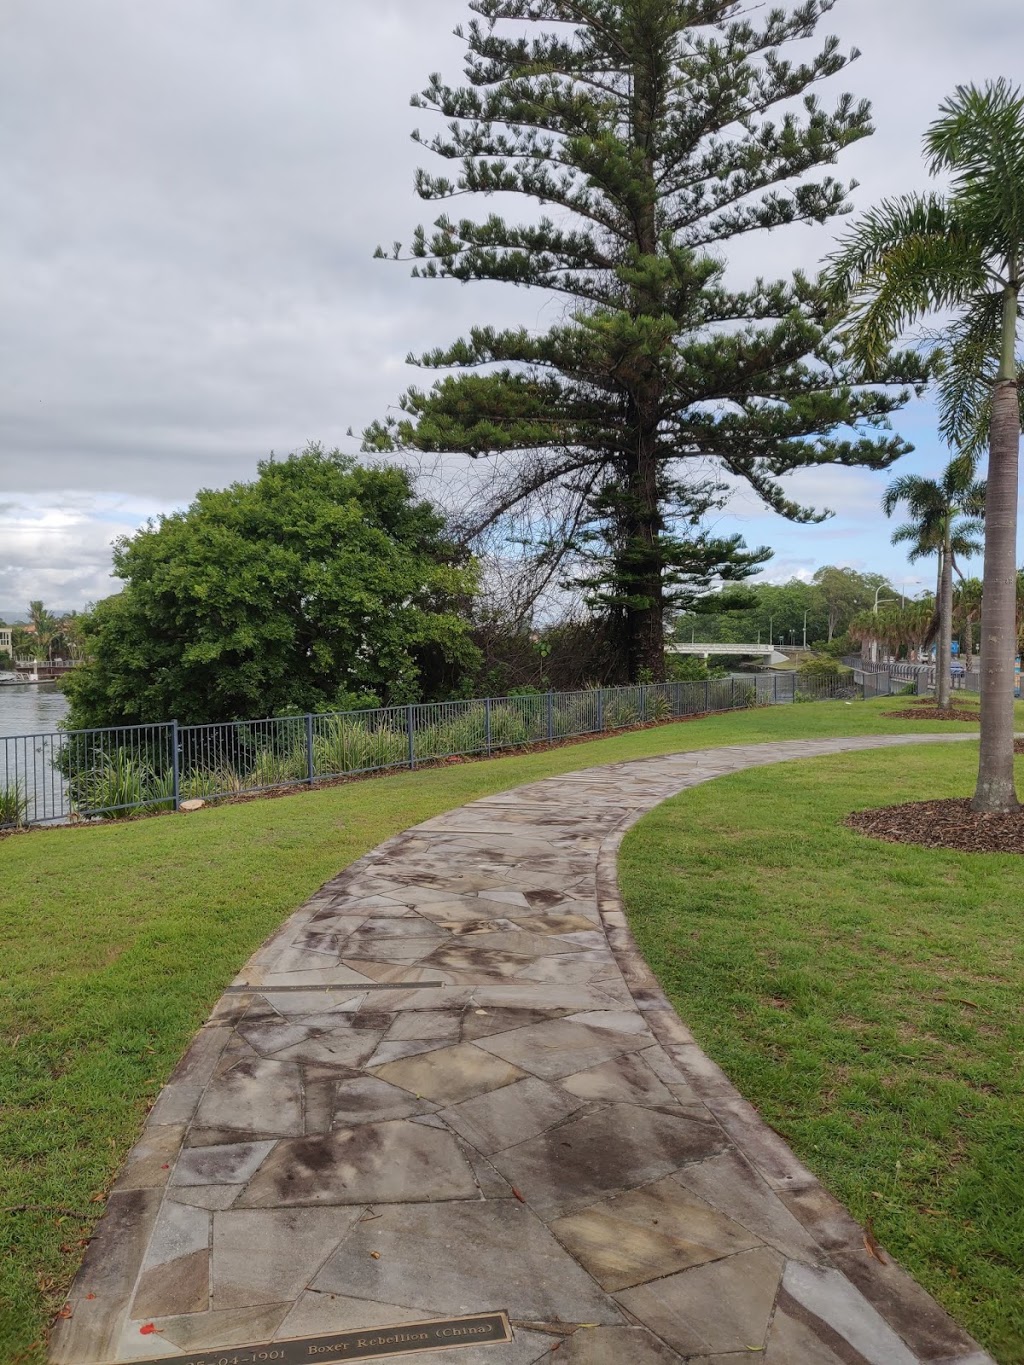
{"points": [[30, 708]]}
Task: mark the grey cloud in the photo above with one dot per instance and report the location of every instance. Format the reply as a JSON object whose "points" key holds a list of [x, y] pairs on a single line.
{"points": [[193, 192]]}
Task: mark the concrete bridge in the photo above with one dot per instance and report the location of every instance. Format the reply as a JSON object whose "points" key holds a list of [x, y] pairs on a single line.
{"points": [[767, 652]]}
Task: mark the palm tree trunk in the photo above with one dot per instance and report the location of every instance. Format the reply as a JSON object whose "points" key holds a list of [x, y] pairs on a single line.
{"points": [[944, 652], [995, 791]]}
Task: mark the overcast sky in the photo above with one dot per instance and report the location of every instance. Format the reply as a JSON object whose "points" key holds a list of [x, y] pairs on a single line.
{"points": [[192, 192]]}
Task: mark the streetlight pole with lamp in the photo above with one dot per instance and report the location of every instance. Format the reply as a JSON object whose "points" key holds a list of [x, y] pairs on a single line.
{"points": [[874, 612]]}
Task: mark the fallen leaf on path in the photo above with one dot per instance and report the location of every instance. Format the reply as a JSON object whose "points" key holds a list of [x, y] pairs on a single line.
{"points": [[871, 1245]]}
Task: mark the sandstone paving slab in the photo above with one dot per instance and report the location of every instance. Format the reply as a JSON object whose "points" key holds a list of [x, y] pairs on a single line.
{"points": [[257, 1095], [205, 1196], [627, 1079], [724, 1306], [615, 1346], [393, 1052], [506, 1117], [731, 1185], [824, 1296], [369, 1164], [558, 1047], [453, 1258], [367, 1099], [103, 1287], [450, 1084], [450, 1074], [648, 1233], [150, 1159], [611, 1149], [231, 1165], [248, 1267], [426, 1025], [481, 1023], [216, 1328]]}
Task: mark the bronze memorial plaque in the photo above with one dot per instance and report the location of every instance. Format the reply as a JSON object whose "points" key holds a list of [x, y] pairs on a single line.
{"points": [[481, 1329]]}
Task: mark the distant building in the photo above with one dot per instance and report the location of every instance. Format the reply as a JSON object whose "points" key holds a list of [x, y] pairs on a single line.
{"points": [[6, 643]]}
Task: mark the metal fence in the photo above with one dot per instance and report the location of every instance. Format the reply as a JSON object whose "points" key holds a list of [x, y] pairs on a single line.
{"points": [[86, 774], [873, 676]]}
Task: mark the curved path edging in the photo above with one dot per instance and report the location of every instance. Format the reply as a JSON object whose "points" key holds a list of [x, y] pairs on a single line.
{"points": [[450, 1084]]}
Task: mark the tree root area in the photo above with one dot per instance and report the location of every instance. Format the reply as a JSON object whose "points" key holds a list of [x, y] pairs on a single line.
{"points": [[920, 712], [942, 824]]}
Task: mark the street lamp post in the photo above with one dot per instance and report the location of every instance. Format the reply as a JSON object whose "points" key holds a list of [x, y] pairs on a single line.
{"points": [[874, 612], [805, 630]]}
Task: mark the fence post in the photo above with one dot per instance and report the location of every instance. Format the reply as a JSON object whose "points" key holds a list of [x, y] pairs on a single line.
{"points": [[600, 710], [707, 695], [732, 694], [412, 736], [310, 772], [775, 689], [487, 722], [551, 716], [175, 766]]}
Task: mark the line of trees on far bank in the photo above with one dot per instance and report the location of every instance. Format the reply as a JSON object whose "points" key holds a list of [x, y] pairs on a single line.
{"points": [[44, 635]]}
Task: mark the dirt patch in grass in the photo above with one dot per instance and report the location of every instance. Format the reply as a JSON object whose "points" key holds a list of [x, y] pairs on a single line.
{"points": [[942, 824], [932, 712]]}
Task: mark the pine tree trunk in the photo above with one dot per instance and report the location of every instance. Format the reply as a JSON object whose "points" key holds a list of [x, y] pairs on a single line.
{"points": [[944, 652], [645, 621], [996, 791]]}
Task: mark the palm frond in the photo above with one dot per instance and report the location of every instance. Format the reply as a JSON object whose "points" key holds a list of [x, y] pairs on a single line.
{"points": [[979, 139], [966, 363], [915, 276]]}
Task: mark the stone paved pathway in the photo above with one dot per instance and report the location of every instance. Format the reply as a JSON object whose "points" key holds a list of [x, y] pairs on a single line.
{"points": [[452, 1086]]}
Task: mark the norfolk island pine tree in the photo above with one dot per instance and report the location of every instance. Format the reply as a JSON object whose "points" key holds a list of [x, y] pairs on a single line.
{"points": [[653, 127], [961, 254]]}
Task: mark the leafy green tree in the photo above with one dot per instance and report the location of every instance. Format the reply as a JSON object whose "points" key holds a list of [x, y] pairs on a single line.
{"points": [[946, 521], [846, 592], [659, 130], [962, 254], [319, 579], [786, 611]]}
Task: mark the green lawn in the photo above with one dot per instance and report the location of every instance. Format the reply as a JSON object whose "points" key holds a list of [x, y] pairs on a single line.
{"points": [[867, 997], [115, 941]]}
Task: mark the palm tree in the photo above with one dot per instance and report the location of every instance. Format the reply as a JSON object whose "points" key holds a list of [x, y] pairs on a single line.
{"points": [[967, 613], [44, 625], [945, 521], [961, 254]]}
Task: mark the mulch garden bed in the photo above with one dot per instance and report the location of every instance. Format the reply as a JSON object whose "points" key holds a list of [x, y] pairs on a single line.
{"points": [[942, 824], [924, 712]]}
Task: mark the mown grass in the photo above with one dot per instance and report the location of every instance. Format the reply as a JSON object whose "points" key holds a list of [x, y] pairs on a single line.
{"points": [[115, 941], [867, 997]]}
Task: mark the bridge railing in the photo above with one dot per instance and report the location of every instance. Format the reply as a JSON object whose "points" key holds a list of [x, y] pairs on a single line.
{"points": [[66, 775]]}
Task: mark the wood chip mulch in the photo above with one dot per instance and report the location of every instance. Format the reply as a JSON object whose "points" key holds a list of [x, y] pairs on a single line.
{"points": [[942, 824], [919, 712]]}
